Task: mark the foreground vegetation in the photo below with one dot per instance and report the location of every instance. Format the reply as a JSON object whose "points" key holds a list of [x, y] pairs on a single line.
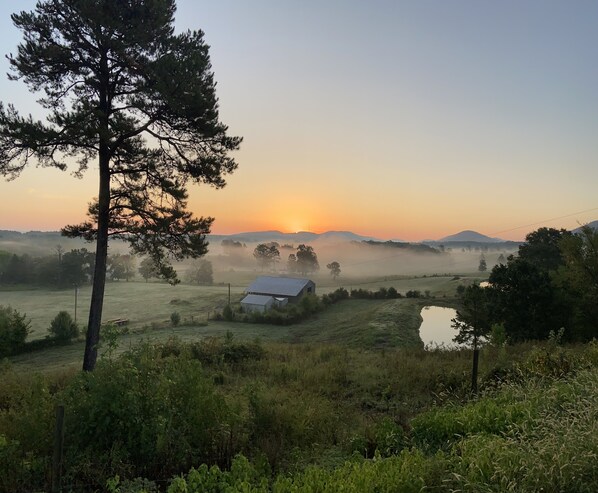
{"points": [[307, 417]]}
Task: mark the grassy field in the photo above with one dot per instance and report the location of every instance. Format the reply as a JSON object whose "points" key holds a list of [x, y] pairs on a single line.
{"points": [[366, 324], [148, 306], [144, 304]]}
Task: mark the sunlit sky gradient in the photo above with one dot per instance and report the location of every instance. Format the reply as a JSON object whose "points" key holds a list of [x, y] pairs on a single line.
{"points": [[394, 119]]}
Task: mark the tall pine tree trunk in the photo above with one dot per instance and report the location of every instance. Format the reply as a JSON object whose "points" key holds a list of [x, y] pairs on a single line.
{"points": [[99, 277]]}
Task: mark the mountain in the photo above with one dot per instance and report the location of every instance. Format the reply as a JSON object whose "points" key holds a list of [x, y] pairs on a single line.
{"points": [[593, 225], [299, 237], [469, 235]]}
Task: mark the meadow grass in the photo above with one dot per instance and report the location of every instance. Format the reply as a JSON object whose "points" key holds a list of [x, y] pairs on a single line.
{"points": [[139, 302], [146, 303], [356, 323], [299, 412]]}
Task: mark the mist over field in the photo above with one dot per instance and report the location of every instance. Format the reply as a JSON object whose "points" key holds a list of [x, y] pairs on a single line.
{"points": [[357, 258]]}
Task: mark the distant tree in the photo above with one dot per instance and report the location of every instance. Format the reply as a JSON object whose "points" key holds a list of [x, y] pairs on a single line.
{"points": [[501, 259], [77, 267], [335, 269], [201, 273], [473, 325], [231, 243], [14, 328], [4, 259], [121, 267], [46, 271], [232, 247], [122, 89], [292, 263], [266, 254], [307, 260], [19, 270], [482, 267], [63, 327], [59, 249], [147, 269]]}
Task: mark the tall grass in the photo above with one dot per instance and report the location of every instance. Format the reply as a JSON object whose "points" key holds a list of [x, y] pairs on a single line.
{"points": [[307, 409]]}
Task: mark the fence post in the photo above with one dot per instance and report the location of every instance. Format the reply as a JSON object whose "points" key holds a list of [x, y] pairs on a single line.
{"points": [[58, 444]]}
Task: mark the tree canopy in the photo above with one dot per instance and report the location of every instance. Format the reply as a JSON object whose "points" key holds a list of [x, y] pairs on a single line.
{"points": [[121, 89], [334, 268], [307, 260], [267, 254], [542, 248]]}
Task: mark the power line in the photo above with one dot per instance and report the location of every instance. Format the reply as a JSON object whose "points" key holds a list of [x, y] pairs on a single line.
{"points": [[545, 221], [496, 233]]}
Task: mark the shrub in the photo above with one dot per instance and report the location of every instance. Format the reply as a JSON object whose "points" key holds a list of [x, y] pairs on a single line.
{"points": [[227, 313], [143, 414], [63, 327], [175, 319], [382, 294], [13, 330], [335, 296], [392, 293]]}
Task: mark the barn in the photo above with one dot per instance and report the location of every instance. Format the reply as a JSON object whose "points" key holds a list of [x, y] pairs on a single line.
{"points": [[257, 303], [267, 291], [291, 288]]}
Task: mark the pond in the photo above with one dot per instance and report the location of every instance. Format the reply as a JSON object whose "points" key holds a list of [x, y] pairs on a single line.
{"points": [[436, 329]]}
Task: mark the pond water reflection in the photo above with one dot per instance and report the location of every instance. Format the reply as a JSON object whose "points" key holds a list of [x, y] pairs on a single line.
{"points": [[436, 327]]}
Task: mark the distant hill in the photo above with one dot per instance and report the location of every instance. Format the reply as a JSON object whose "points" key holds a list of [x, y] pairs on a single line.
{"points": [[299, 237], [469, 235], [593, 225], [411, 247]]}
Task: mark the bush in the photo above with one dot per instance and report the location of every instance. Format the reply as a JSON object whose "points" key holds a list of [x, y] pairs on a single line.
{"points": [[13, 330], [335, 296], [175, 319], [63, 327], [143, 414], [382, 294], [227, 313]]}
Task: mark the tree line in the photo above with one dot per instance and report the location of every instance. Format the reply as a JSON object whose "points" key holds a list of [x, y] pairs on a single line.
{"points": [[549, 288], [63, 269]]}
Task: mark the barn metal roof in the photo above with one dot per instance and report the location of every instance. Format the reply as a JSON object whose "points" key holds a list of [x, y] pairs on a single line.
{"points": [[278, 286], [256, 299]]}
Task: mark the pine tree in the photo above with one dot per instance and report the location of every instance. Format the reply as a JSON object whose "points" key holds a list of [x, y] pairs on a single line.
{"points": [[124, 92]]}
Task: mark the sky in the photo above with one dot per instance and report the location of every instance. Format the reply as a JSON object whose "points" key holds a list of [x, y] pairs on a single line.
{"points": [[395, 119]]}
